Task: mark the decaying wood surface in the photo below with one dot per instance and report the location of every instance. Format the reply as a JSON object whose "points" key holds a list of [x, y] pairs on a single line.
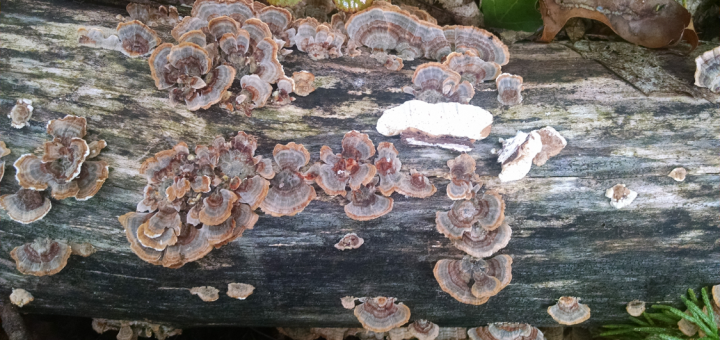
{"points": [[567, 239]]}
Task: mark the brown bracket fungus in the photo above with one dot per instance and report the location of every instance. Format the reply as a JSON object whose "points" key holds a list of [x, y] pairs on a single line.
{"points": [[462, 176], [420, 329], [568, 311], [319, 41], [471, 67], [153, 16], [635, 307], [285, 86], [480, 242], [41, 257], [349, 168], [487, 210], [136, 39], [678, 174], [415, 185], [349, 241], [517, 155], [290, 193], [366, 205], [484, 44], [26, 206], [381, 314], [707, 73], [552, 144], [303, 83], [654, 24], [21, 113], [130, 330], [388, 167], [620, 196], [473, 281], [509, 87], [506, 331], [240, 291], [206, 293], [435, 83], [255, 94], [20, 297], [389, 61]]}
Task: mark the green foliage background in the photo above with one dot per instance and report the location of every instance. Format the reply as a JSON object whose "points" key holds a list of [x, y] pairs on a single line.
{"points": [[517, 15]]}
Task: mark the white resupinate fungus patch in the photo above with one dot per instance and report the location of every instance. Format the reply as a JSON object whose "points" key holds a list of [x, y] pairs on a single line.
{"points": [[441, 119]]}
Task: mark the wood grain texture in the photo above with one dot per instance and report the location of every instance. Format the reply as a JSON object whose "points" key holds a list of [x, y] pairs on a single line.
{"points": [[567, 239]]}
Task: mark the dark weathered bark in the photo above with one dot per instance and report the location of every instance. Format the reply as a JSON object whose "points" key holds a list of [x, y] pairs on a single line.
{"points": [[567, 239]]}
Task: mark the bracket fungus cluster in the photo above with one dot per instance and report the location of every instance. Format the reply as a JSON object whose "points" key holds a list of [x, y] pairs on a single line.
{"points": [[41, 257], [318, 40], [506, 331], [568, 311], [520, 152], [472, 280], [620, 196], [133, 38], [381, 314], [21, 113], [130, 330], [707, 73], [509, 87], [153, 16], [419, 329], [64, 167], [435, 83]]}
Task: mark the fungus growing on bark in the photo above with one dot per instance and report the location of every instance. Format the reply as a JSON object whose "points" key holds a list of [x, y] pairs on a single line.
{"points": [[420, 329], [653, 24], [483, 43], [136, 39], [21, 113], [435, 82], [20, 297], [240, 291], [441, 119], [82, 249], [303, 83], [568, 311], [347, 168], [415, 185], [255, 93], [506, 331], [366, 205], [389, 61], [473, 281], [319, 41], [96, 39], [350, 241], [348, 302], [285, 86], [388, 167], [517, 155], [707, 73], [419, 13], [4, 151], [277, 19], [289, 194], [678, 174], [509, 87], [487, 210], [635, 307], [41, 257], [381, 314], [153, 16], [25, 206], [552, 144], [462, 176], [620, 196], [133, 329], [472, 68], [240, 10], [206, 293], [480, 242]]}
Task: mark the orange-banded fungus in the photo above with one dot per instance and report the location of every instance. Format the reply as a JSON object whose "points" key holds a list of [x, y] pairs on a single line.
{"points": [[420, 329], [350, 241], [206, 293], [136, 39], [21, 113], [20, 297], [277, 19], [153, 16], [635, 307], [240, 291], [217, 207], [480, 242], [483, 43], [509, 87], [472, 68], [435, 82], [506, 331], [4, 151], [568, 311], [95, 148], [366, 205], [415, 185], [217, 81], [348, 302], [255, 93], [289, 194], [41, 257], [678, 174], [517, 155], [347, 168], [67, 127], [462, 176], [25, 206], [707, 73], [319, 41], [303, 83], [620, 196], [196, 37], [388, 167], [552, 144], [91, 178], [285, 86], [487, 210], [381, 314], [473, 281], [239, 10]]}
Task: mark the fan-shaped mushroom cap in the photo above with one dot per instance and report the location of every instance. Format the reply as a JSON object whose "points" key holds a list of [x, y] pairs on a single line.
{"points": [[266, 64], [41, 257], [285, 86], [487, 210], [462, 175], [488, 276], [192, 245], [620, 196], [136, 39], [357, 145], [415, 185], [163, 163], [471, 67], [63, 157], [95, 148], [252, 191], [91, 178], [517, 154], [388, 167], [435, 82], [480, 242], [132, 222], [258, 89], [320, 41], [159, 66], [217, 207], [509, 87], [419, 13], [552, 144], [303, 83], [26, 206], [239, 10], [707, 73], [32, 173], [219, 26], [486, 45], [366, 205], [635, 307], [166, 218], [350, 241], [381, 314], [67, 127], [20, 297], [196, 37], [568, 311], [678, 174], [96, 39], [206, 293], [166, 238], [423, 330], [506, 331], [449, 119], [491, 210], [277, 19], [240, 291], [218, 80], [187, 24], [291, 156], [289, 193], [21, 113]]}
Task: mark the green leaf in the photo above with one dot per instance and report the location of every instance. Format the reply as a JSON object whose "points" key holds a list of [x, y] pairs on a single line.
{"points": [[668, 337], [518, 15]]}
